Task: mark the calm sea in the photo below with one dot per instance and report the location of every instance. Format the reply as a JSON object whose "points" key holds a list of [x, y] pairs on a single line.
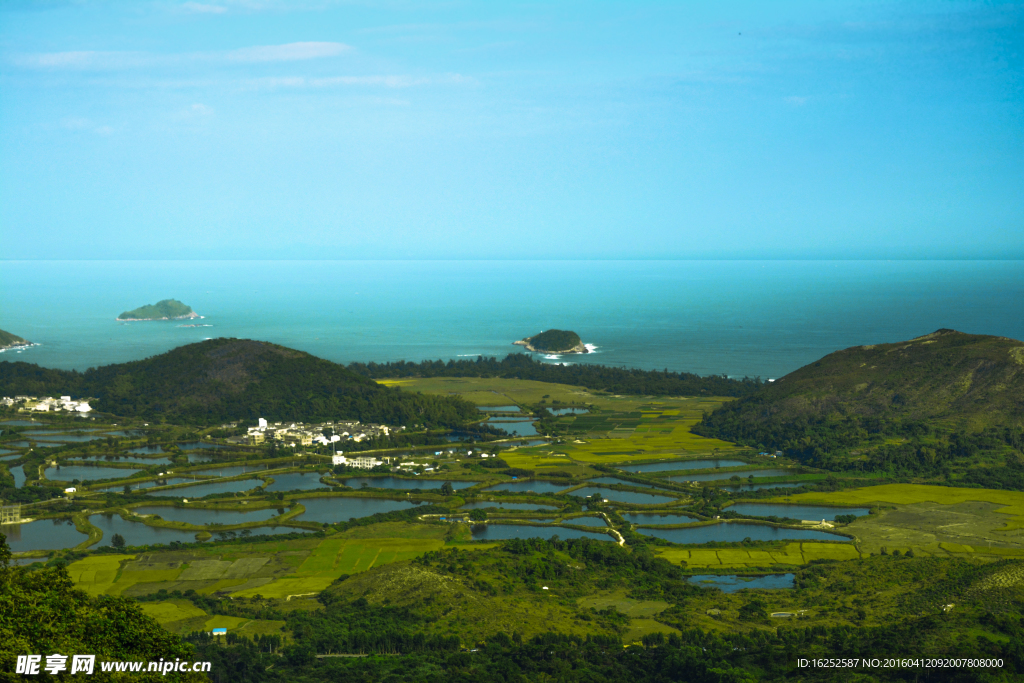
{"points": [[756, 318]]}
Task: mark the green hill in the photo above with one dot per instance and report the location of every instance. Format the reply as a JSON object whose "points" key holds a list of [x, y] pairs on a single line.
{"points": [[555, 341], [863, 402], [7, 340], [226, 379], [168, 309]]}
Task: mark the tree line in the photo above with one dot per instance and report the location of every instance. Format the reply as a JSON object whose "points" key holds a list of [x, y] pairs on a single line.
{"points": [[593, 377]]}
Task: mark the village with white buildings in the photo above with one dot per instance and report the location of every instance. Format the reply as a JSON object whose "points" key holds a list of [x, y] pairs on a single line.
{"points": [[295, 434], [298, 434], [45, 404]]}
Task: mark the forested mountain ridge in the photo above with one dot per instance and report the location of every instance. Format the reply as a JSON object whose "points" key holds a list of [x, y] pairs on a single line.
{"points": [[947, 395], [593, 377], [224, 379], [944, 375], [168, 309]]}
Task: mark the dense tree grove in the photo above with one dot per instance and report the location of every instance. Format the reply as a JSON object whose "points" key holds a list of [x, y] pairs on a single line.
{"points": [[593, 377], [554, 340], [41, 612], [855, 442], [229, 379]]}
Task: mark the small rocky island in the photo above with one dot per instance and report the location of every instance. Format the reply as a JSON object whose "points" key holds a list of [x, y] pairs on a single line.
{"points": [[11, 341], [554, 341], [168, 309]]}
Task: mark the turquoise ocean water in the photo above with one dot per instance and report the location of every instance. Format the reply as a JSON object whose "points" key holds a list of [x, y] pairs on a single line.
{"points": [[756, 318]]}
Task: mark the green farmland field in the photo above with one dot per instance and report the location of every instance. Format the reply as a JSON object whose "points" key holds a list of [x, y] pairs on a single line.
{"points": [[1011, 502], [792, 553]]}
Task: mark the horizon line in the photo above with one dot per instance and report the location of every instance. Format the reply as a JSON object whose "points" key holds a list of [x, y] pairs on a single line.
{"points": [[552, 259]]}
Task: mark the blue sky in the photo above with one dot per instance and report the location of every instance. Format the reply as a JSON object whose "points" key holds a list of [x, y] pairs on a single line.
{"points": [[259, 129]]}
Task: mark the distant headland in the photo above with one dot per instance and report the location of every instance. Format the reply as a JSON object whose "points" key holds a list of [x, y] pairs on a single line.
{"points": [[554, 341], [11, 341], [168, 309]]}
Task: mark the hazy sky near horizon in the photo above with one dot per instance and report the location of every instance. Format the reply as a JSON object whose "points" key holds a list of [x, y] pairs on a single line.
{"points": [[454, 129]]}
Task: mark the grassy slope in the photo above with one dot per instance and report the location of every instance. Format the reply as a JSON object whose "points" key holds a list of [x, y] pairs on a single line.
{"points": [[1011, 502], [236, 378], [8, 339]]}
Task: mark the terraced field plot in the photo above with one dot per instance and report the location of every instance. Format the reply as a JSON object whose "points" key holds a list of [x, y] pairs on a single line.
{"points": [[172, 610], [335, 557], [792, 553], [96, 574]]}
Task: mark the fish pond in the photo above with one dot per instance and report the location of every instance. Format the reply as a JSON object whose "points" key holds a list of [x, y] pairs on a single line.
{"points": [[404, 484], [683, 465], [733, 532], [10, 457], [343, 508], [137, 533], [730, 583], [616, 480], [44, 534], [531, 485], [655, 518], [486, 504], [152, 450], [514, 427], [200, 457], [200, 516], [231, 471], [716, 476], [19, 476], [623, 496], [129, 458], [137, 486], [501, 532], [65, 438], [87, 473], [256, 531], [500, 409], [193, 445], [296, 481], [200, 490], [811, 512], [21, 423]]}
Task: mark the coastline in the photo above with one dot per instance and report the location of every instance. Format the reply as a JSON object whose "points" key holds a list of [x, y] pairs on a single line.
{"points": [[579, 348], [190, 316], [18, 346]]}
